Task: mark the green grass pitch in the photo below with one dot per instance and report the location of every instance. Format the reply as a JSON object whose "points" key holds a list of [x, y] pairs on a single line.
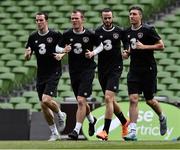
{"points": [[68, 144]]}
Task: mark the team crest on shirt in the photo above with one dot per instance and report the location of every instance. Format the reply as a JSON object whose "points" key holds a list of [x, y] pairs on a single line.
{"points": [[49, 39], [140, 35], [85, 39], [115, 35]]}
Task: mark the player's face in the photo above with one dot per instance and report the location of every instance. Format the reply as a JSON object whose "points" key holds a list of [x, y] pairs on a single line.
{"points": [[77, 21], [107, 19], [41, 22], [135, 17]]}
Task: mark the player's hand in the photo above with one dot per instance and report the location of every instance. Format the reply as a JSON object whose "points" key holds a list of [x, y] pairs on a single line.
{"points": [[27, 54], [139, 45], [67, 48], [89, 54], [125, 54], [59, 56]]}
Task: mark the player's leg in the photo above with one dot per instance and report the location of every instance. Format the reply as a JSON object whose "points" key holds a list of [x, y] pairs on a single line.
{"points": [[109, 98], [49, 117], [92, 120], [153, 103], [50, 92], [134, 91], [82, 87], [53, 106], [80, 116], [124, 122], [48, 114]]}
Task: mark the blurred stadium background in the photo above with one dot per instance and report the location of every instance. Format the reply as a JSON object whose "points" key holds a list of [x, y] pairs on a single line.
{"points": [[17, 77]]}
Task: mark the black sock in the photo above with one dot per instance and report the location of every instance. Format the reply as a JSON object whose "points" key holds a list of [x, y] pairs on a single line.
{"points": [[121, 118], [107, 123]]}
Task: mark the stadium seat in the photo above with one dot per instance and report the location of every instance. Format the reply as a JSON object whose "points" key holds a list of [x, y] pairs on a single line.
{"points": [[14, 63], [8, 80], [7, 3], [33, 101], [171, 49], [8, 38], [14, 27], [4, 15], [161, 87], [177, 75], [59, 3], [30, 94], [166, 61], [94, 2], [7, 57], [2, 63], [20, 32], [177, 43], [24, 3], [76, 3], [168, 31], [4, 51], [4, 69], [170, 18], [30, 9], [23, 106], [48, 9], [169, 80], [37, 107], [13, 9], [6, 106], [13, 44], [32, 65], [113, 2], [86, 8], [21, 75], [65, 94], [100, 7], [174, 87], [17, 100], [172, 68], [26, 21], [8, 21]]}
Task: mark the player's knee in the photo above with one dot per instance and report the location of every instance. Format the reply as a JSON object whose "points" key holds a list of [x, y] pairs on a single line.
{"points": [[45, 100], [108, 98], [81, 101], [134, 98]]}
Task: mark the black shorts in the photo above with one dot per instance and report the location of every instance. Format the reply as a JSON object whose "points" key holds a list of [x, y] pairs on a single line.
{"points": [[48, 85], [142, 82], [110, 80], [82, 82]]}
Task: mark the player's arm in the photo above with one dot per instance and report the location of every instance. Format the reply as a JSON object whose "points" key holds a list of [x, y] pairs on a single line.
{"points": [[61, 52], [28, 53], [157, 46], [89, 54], [59, 56]]}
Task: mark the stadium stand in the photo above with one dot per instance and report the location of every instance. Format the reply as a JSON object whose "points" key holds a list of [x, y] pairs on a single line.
{"points": [[17, 22]]}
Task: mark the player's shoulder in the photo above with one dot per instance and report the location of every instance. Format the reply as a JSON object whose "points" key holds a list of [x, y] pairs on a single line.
{"points": [[68, 31], [148, 26], [54, 31], [89, 31], [34, 33], [99, 28], [127, 29], [118, 27]]}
